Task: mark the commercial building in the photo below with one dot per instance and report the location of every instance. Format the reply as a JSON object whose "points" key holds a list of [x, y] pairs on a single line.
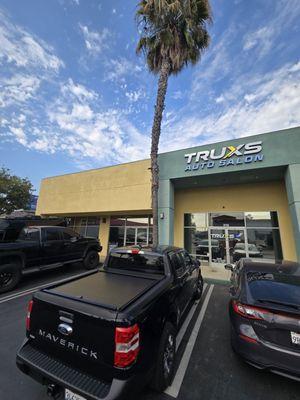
{"points": [[221, 201]]}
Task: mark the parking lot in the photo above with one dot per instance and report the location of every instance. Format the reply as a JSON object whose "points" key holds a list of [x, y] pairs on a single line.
{"points": [[206, 366]]}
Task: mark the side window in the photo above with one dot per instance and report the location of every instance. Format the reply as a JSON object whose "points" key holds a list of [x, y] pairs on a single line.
{"points": [[178, 264], [69, 234], [30, 235], [187, 259], [51, 234]]}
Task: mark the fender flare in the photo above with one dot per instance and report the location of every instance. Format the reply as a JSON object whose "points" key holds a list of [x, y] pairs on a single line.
{"points": [[92, 246], [14, 254]]}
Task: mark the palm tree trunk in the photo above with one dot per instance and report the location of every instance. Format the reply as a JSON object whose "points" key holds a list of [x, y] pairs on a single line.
{"points": [[156, 128]]}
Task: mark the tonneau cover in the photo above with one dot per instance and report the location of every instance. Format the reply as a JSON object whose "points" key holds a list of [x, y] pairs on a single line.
{"points": [[110, 290]]}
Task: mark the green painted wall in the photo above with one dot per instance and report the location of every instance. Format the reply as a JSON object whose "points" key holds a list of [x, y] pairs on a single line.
{"points": [[280, 148], [292, 183], [281, 151]]}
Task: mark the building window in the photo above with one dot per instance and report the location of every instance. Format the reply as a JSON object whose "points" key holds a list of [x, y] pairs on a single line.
{"points": [[227, 237], [226, 219], [128, 231], [86, 226]]}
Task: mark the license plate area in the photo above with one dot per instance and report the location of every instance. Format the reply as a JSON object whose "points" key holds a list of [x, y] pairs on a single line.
{"points": [[69, 395], [295, 337]]}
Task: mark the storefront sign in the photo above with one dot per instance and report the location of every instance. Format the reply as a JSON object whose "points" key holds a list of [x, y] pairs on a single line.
{"points": [[229, 155]]}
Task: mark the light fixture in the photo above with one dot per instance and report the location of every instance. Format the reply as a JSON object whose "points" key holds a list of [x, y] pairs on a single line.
{"points": [[162, 215]]}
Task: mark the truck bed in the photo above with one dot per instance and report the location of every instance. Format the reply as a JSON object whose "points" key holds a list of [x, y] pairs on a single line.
{"points": [[106, 289]]}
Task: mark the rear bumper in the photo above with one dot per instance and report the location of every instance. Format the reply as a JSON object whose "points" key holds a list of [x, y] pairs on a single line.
{"points": [[265, 355], [48, 370]]}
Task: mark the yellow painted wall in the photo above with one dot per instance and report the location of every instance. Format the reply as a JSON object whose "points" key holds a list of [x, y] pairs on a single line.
{"points": [[104, 236], [268, 196], [121, 188]]}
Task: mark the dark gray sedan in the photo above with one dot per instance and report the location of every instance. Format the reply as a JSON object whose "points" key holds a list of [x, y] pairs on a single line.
{"points": [[265, 315]]}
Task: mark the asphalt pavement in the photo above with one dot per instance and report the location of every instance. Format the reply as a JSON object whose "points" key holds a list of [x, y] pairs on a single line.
{"points": [[206, 366]]}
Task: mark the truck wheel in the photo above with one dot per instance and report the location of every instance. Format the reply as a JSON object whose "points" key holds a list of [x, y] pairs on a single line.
{"points": [[10, 275], [199, 289], [164, 369], [91, 260]]}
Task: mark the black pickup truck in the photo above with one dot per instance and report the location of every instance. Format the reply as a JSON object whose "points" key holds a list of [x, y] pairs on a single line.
{"points": [[26, 248], [112, 332]]}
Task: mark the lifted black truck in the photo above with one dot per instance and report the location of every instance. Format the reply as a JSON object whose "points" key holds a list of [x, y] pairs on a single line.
{"points": [[110, 333], [26, 247]]}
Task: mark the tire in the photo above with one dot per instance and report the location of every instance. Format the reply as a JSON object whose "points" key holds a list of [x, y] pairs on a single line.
{"points": [[199, 290], [91, 260], [165, 363], [10, 275]]}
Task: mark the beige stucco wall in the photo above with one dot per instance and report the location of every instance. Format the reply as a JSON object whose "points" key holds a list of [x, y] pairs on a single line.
{"points": [[121, 188], [268, 196]]}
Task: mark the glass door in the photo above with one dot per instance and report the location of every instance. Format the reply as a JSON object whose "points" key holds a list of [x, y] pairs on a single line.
{"points": [[141, 236], [237, 247], [227, 245], [136, 235], [217, 244], [130, 237]]}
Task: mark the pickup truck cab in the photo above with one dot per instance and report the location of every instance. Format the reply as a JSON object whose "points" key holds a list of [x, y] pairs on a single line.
{"points": [[111, 332], [25, 249]]}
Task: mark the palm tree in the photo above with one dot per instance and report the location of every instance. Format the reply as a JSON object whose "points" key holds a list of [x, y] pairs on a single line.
{"points": [[173, 35]]}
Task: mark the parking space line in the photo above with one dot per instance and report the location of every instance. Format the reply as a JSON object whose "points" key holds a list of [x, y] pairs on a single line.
{"points": [[174, 389], [31, 290], [187, 321]]}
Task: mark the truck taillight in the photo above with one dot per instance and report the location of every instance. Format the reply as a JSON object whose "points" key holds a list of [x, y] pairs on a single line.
{"points": [[127, 342], [29, 309]]}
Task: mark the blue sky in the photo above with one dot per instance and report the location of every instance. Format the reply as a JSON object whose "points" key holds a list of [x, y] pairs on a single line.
{"points": [[74, 95]]}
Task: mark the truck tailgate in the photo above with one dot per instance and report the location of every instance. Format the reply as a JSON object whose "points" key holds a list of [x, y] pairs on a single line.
{"points": [[88, 307]]}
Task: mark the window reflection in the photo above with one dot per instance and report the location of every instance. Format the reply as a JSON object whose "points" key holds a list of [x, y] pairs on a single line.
{"points": [[267, 243], [196, 220], [130, 231], [227, 237], [227, 219], [262, 219]]}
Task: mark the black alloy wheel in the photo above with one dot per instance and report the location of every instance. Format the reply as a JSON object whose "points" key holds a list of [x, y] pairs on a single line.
{"points": [[10, 276], [166, 356], [169, 356], [199, 288], [91, 259], [5, 278]]}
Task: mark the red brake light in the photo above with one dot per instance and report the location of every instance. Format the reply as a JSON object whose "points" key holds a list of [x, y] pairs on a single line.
{"points": [[135, 251], [127, 341], [251, 312], [29, 309]]}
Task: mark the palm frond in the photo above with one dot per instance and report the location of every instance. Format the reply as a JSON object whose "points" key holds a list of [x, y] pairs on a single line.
{"points": [[176, 29]]}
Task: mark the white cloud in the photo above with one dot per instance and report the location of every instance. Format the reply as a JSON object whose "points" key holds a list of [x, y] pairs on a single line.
{"points": [[272, 102], [95, 42], [17, 89], [178, 95], [262, 39], [135, 95], [19, 135], [77, 126], [21, 48], [79, 91], [220, 99], [117, 69]]}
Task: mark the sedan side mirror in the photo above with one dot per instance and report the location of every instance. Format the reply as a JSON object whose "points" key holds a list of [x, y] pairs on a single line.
{"points": [[229, 267]]}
